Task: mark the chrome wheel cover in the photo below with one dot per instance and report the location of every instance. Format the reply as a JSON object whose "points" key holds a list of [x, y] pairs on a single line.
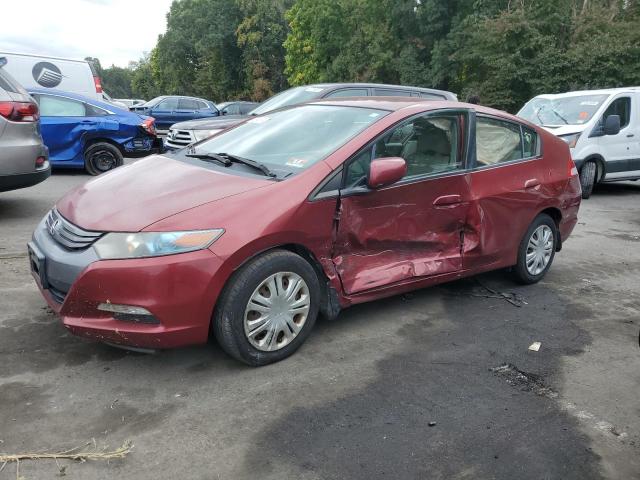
{"points": [[539, 250], [277, 311]]}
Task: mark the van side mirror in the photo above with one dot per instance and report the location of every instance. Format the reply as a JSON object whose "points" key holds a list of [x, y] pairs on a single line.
{"points": [[612, 125], [386, 171]]}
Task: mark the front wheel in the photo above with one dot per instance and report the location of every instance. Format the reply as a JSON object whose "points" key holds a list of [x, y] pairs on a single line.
{"points": [[588, 178], [537, 250], [268, 308], [102, 157]]}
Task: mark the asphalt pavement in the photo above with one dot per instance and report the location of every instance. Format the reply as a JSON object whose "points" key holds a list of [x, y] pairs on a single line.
{"points": [[437, 384]]}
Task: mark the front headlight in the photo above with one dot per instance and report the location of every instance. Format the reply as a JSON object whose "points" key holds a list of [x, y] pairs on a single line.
{"points": [[571, 139], [153, 244], [202, 134]]}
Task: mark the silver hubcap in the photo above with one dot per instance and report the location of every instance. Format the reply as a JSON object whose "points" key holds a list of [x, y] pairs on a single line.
{"points": [[539, 250], [277, 311]]}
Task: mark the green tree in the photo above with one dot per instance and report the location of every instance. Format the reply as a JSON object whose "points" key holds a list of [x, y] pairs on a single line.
{"points": [[117, 81], [261, 35]]}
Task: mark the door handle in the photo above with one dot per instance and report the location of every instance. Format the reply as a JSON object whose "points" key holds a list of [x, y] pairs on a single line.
{"points": [[629, 135], [531, 183], [447, 200]]}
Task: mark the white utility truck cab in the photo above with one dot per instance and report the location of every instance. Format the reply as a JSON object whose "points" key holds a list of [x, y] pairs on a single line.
{"points": [[601, 127]]}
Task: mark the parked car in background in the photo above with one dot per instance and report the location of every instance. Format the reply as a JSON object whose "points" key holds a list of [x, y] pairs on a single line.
{"points": [[168, 110], [131, 102], [66, 74], [236, 108], [601, 127], [305, 210], [183, 134], [84, 133], [108, 99], [23, 156]]}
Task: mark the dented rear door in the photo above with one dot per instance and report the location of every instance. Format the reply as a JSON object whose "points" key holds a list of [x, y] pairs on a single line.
{"points": [[409, 230]]}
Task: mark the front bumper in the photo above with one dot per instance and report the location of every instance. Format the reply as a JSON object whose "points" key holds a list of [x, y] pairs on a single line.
{"points": [[179, 290]]}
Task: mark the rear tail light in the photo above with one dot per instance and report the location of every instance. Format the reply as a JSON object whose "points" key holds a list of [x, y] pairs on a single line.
{"points": [[149, 125], [573, 171], [20, 111], [98, 83]]}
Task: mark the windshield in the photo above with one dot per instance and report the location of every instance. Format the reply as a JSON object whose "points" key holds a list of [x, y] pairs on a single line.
{"points": [[573, 110], [288, 97], [294, 139], [152, 102]]}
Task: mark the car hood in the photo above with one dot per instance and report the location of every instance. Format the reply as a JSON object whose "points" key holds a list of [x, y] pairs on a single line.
{"points": [[565, 129], [225, 121], [132, 197]]}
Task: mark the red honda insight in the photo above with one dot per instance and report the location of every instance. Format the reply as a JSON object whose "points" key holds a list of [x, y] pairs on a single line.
{"points": [[252, 234]]}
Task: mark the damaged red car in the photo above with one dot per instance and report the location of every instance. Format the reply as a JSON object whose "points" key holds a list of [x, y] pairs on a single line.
{"points": [[252, 234]]}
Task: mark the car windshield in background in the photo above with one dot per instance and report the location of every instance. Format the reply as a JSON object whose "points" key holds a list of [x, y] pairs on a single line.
{"points": [[573, 110], [288, 97], [152, 102], [293, 139]]}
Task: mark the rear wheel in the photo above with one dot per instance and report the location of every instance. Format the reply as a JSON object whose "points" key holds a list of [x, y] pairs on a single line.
{"points": [[588, 178], [102, 157], [537, 250], [268, 308]]}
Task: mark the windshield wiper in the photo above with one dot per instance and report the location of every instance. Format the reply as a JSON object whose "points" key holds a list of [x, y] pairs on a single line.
{"points": [[211, 156], [553, 110], [247, 161]]}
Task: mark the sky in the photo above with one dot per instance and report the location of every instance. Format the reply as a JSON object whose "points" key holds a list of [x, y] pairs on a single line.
{"points": [[114, 31]]}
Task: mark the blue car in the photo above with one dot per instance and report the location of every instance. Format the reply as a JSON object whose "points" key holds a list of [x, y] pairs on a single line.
{"points": [[85, 133], [168, 110]]}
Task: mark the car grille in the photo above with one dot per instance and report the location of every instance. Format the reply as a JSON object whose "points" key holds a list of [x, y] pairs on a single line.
{"points": [[179, 138], [67, 234]]}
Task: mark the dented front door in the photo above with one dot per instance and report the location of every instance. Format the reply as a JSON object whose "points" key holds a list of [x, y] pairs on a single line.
{"points": [[413, 229]]}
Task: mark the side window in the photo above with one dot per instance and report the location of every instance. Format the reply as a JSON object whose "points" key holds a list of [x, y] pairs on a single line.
{"points": [[497, 141], [432, 96], [168, 104], [620, 106], [429, 145], [233, 109], [349, 92], [188, 104], [202, 106], [358, 170], [530, 143], [60, 107], [389, 92], [95, 111]]}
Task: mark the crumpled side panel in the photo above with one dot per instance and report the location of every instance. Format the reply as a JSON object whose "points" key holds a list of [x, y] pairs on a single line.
{"points": [[377, 245]]}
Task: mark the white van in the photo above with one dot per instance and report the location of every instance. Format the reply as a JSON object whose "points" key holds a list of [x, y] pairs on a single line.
{"points": [[602, 128], [36, 71]]}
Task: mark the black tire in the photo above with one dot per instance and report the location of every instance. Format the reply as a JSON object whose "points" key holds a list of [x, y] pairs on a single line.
{"points": [[521, 273], [102, 157], [228, 318], [588, 174]]}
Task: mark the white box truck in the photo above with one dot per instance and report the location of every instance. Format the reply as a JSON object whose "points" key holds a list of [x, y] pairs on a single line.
{"points": [[37, 71]]}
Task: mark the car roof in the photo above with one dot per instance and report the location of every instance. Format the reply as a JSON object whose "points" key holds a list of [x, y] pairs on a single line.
{"points": [[602, 91], [75, 96], [394, 104], [337, 85]]}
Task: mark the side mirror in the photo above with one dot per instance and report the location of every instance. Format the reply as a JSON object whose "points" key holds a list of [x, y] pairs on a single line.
{"points": [[386, 171], [612, 125]]}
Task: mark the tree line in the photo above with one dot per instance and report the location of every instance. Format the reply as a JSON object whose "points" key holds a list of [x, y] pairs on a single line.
{"points": [[504, 51]]}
